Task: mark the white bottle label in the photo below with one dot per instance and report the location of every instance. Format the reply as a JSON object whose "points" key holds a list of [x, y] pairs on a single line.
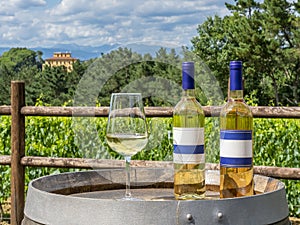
{"points": [[236, 148], [188, 145]]}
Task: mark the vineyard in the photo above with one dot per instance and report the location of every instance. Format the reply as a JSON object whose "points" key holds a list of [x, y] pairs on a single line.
{"points": [[276, 144]]}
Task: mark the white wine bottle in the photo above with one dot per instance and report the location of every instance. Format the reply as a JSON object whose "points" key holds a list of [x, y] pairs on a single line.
{"points": [[188, 141], [236, 145]]}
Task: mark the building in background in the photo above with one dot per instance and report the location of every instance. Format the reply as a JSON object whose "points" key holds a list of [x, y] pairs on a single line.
{"points": [[61, 59]]}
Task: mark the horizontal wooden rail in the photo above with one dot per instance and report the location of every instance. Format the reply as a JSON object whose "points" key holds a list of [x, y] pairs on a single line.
{"points": [[5, 160], [5, 110], [18, 160], [258, 111], [275, 112], [83, 163]]}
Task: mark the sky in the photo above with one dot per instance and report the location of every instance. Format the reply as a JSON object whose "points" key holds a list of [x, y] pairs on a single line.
{"points": [[45, 23]]}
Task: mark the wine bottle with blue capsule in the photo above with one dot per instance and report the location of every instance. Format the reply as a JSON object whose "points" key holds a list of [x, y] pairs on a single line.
{"points": [[236, 145], [188, 141]]}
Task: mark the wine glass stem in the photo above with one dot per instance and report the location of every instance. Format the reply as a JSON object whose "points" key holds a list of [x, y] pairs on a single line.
{"points": [[127, 162]]}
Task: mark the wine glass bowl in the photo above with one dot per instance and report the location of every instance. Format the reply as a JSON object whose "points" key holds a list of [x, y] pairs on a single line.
{"points": [[126, 131]]}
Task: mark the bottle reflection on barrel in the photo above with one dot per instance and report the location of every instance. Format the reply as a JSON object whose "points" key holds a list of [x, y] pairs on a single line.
{"points": [[236, 132]]}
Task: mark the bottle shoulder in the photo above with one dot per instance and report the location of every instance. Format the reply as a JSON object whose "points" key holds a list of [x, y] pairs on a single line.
{"points": [[236, 107], [188, 104]]}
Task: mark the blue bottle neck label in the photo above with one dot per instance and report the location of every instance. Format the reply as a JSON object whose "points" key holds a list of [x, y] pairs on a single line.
{"points": [[236, 76], [188, 71], [236, 82]]}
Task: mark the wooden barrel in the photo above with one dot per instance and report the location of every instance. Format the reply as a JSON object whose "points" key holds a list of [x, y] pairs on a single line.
{"points": [[93, 197]]}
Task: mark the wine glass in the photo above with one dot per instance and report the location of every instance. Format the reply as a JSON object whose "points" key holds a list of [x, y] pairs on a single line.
{"points": [[126, 131]]}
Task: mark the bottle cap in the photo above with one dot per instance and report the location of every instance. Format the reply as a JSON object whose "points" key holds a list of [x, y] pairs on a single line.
{"points": [[188, 70], [236, 79]]}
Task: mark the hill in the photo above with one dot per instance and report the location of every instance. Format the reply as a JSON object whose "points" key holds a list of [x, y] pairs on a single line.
{"points": [[89, 52]]}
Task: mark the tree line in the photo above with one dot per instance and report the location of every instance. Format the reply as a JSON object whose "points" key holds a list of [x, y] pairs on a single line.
{"points": [[264, 35]]}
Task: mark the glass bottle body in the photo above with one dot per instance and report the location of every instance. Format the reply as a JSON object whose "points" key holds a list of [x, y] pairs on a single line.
{"points": [[236, 122], [188, 134]]}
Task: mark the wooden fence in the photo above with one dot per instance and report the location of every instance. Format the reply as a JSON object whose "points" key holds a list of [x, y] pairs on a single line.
{"points": [[18, 160]]}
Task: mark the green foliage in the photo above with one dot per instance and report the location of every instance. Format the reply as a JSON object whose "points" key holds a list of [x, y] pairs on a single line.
{"points": [[212, 135], [265, 36], [55, 85], [276, 144], [160, 146], [157, 78], [122, 70], [5, 143], [271, 64], [16, 58], [17, 63]]}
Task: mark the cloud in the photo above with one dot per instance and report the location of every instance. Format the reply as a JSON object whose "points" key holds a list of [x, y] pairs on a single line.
{"points": [[25, 4], [164, 8], [98, 22], [21, 4], [94, 7]]}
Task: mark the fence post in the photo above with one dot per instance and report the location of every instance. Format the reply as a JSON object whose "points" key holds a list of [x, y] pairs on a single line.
{"points": [[17, 152]]}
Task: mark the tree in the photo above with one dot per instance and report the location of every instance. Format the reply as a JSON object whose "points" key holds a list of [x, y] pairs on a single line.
{"points": [[263, 36], [51, 85], [16, 58], [122, 70], [6, 75], [39, 60], [17, 63]]}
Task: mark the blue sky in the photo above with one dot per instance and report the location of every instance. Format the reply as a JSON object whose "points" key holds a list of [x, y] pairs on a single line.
{"points": [[32, 23]]}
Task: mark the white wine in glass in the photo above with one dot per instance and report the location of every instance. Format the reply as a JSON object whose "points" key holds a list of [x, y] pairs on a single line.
{"points": [[126, 131]]}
